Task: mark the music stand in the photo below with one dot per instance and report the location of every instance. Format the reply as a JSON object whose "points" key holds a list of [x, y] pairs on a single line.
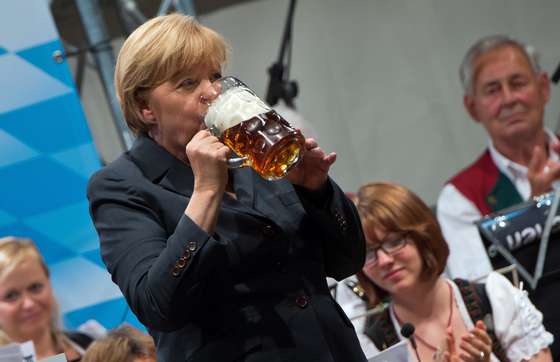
{"points": [[498, 247]]}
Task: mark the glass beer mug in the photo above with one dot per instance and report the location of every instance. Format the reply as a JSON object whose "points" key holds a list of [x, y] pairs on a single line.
{"points": [[260, 137]]}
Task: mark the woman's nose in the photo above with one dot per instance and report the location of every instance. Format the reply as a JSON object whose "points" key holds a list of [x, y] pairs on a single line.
{"points": [[384, 258], [210, 92], [28, 301]]}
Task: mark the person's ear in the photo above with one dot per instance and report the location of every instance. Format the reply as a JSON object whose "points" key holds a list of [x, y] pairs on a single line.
{"points": [[146, 110], [469, 103], [544, 86]]}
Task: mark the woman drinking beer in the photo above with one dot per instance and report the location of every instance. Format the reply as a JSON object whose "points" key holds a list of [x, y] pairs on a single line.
{"points": [[220, 265]]}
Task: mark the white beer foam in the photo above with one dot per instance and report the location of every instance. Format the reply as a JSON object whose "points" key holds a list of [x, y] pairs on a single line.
{"points": [[233, 107]]}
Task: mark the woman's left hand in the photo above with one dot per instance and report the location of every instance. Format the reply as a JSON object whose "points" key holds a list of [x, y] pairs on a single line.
{"points": [[312, 171], [476, 346]]}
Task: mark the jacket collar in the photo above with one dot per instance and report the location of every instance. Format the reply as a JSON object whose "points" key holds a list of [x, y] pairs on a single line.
{"points": [[162, 168]]}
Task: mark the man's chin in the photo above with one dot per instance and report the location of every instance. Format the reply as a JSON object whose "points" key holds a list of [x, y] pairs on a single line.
{"points": [[519, 127], [516, 134], [513, 121]]}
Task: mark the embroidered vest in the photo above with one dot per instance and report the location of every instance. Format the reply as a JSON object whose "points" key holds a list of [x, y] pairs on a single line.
{"points": [[485, 186]]}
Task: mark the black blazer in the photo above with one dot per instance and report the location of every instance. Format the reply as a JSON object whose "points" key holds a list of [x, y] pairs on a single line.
{"points": [[253, 291]]}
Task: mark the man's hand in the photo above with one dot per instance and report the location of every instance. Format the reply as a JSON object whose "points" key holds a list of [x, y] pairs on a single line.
{"points": [[542, 171], [312, 170]]}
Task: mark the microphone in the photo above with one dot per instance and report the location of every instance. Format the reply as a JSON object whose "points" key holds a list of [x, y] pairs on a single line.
{"points": [[407, 331], [556, 76]]}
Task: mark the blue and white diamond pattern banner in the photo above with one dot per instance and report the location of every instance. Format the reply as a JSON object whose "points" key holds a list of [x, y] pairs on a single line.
{"points": [[46, 158]]}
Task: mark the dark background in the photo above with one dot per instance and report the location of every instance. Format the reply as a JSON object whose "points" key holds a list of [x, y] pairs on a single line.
{"points": [[69, 25]]}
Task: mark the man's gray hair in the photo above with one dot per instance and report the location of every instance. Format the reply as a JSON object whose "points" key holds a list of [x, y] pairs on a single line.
{"points": [[486, 44]]}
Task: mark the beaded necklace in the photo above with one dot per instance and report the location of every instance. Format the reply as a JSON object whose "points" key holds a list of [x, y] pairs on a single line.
{"points": [[438, 352]]}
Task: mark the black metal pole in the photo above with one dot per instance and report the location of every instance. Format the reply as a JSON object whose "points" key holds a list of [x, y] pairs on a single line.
{"points": [[556, 76], [287, 31], [279, 87]]}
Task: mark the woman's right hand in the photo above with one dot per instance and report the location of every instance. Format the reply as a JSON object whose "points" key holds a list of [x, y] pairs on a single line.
{"points": [[451, 354], [476, 346], [208, 160]]}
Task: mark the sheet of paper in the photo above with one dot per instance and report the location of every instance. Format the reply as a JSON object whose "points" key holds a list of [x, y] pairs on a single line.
{"points": [[58, 358], [28, 351], [395, 353], [15, 352]]}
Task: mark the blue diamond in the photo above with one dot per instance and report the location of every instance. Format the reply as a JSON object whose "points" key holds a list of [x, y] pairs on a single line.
{"points": [[39, 185], [54, 125]]}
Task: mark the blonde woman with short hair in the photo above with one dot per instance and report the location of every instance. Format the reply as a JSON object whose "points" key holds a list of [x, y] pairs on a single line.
{"points": [[219, 264], [28, 309]]}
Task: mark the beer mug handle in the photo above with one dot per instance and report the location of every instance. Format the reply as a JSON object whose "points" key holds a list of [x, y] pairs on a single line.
{"points": [[236, 162]]}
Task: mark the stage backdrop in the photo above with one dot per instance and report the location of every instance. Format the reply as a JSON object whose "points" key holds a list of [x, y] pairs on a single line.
{"points": [[46, 158]]}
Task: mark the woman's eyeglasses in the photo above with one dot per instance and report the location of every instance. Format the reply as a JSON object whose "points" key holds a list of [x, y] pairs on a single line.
{"points": [[389, 247]]}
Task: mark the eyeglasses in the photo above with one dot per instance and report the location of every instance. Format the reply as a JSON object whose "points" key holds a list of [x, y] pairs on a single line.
{"points": [[389, 247]]}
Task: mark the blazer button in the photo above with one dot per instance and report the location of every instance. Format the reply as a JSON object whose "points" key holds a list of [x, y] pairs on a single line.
{"points": [[191, 246], [186, 255], [181, 262], [302, 301], [268, 230], [176, 271]]}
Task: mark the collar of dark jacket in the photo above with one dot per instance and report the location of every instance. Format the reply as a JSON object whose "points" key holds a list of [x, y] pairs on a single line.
{"points": [[161, 167]]}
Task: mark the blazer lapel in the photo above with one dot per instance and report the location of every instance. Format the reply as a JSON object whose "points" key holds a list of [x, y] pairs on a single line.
{"points": [[161, 167], [164, 169], [244, 188], [244, 185], [279, 202]]}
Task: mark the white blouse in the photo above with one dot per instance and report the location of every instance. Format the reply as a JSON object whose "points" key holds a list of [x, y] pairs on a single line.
{"points": [[517, 323]]}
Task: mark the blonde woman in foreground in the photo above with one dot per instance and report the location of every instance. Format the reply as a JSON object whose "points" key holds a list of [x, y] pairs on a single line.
{"points": [[28, 309]]}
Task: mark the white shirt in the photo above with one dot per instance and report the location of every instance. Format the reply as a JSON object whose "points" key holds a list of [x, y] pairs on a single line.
{"points": [[456, 214], [517, 323], [355, 308]]}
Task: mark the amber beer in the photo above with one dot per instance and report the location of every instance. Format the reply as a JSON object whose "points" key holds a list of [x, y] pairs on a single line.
{"points": [[253, 130]]}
